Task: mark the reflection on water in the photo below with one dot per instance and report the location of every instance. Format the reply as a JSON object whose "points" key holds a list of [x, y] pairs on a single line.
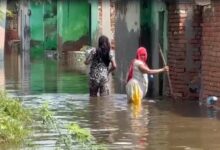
{"points": [[162, 125], [42, 76]]}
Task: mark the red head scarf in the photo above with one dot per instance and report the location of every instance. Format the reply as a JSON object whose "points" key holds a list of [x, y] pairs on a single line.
{"points": [[141, 55]]}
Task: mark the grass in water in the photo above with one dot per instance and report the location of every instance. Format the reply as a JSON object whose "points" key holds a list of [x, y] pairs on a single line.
{"points": [[13, 120], [75, 138], [15, 126]]}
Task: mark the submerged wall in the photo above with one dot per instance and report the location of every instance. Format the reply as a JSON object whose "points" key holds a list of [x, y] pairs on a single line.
{"points": [[184, 56], [210, 51], [127, 33], [194, 30]]}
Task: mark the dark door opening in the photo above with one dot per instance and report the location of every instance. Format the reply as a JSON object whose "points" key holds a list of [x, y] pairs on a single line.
{"points": [[160, 36], [145, 36]]}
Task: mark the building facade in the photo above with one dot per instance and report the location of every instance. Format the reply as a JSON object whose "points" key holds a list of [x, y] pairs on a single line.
{"points": [[186, 30]]}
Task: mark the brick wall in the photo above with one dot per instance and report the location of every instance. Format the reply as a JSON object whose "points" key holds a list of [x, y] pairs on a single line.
{"points": [[194, 74], [184, 37], [211, 50]]}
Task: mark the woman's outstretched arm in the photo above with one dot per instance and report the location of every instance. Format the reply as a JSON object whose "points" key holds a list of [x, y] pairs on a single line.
{"points": [[145, 69]]}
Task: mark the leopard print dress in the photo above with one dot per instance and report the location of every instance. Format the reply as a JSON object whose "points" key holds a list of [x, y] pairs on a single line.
{"points": [[98, 77]]}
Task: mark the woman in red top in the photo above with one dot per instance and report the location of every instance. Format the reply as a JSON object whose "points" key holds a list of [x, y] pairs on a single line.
{"points": [[137, 80]]}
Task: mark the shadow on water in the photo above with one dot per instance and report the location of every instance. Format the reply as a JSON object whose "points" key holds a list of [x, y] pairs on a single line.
{"points": [[155, 125]]}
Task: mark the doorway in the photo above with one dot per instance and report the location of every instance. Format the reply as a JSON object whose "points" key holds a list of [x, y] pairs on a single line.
{"points": [[146, 37], [161, 17]]}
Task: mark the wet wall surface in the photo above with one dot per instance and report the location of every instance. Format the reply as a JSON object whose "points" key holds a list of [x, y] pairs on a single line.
{"points": [[127, 38]]}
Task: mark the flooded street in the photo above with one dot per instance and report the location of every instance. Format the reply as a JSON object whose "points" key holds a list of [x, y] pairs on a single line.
{"points": [[156, 125], [42, 53]]}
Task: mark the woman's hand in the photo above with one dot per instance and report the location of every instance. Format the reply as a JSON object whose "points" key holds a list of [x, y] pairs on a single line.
{"points": [[166, 69], [113, 67]]}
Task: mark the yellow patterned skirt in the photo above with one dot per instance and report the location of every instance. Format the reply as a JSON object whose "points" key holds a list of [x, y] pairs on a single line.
{"points": [[134, 92]]}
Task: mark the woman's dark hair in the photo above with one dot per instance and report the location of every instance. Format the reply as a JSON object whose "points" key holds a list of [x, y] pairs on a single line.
{"points": [[102, 52]]}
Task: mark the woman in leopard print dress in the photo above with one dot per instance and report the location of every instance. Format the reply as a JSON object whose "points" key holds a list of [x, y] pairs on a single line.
{"points": [[100, 59]]}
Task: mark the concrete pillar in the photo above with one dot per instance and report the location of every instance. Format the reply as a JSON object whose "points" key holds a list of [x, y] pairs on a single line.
{"points": [[24, 25], [106, 19], [94, 22]]}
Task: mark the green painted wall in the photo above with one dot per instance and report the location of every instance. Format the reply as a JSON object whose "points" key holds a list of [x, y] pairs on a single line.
{"points": [[150, 21], [50, 25], [145, 22], [59, 18], [153, 32], [61, 22], [146, 13], [146, 37], [94, 22], [159, 35], [37, 30], [43, 24], [157, 7], [37, 21], [73, 20]]}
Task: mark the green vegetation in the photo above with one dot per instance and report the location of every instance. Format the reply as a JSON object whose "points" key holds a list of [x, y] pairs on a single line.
{"points": [[76, 136], [13, 120]]}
